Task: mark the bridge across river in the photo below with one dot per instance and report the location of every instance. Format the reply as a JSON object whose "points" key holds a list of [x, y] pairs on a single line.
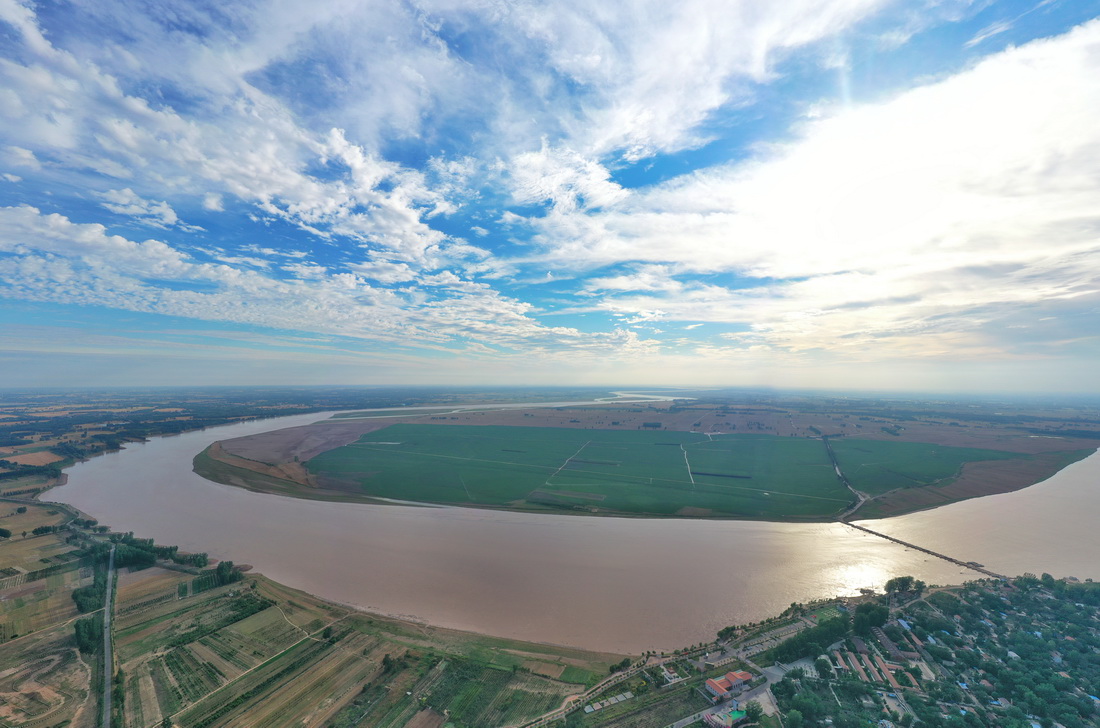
{"points": [[862, 498], [967, 564]]}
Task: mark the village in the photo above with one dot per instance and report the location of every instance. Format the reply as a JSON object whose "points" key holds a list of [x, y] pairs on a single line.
{"points": [[1021, 653]]}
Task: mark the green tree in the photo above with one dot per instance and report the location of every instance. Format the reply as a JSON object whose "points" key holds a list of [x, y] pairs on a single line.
{"points": [[754, 711], [868, 615], [900, 584], [1027, 582], [89, 633], [794, 719]]}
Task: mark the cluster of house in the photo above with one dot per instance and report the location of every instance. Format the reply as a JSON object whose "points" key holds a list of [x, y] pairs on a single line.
{"points": [[896, 654], [870, 667]]}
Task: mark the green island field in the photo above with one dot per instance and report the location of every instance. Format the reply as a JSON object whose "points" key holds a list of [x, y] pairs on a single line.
{"points": [[632, 472]]}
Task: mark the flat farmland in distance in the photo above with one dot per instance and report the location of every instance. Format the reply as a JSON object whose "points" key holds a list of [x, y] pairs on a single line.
{"points": [[642, 472]]}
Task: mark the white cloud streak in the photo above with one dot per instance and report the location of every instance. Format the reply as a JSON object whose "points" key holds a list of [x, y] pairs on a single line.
{"points": [[928, 212], [47, 257]]}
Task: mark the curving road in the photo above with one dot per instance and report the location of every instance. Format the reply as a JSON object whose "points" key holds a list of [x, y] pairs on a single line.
{"points": [[108, 663]]}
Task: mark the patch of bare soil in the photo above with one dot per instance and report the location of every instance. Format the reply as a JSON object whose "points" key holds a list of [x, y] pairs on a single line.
{"points": [[304, 442], [694, 512], [426, 718], [549, 669], [292, 471], [986, 477], [42, 457]]}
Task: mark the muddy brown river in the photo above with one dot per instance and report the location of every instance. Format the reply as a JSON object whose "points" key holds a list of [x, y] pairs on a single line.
{"points": [[616, 584]]}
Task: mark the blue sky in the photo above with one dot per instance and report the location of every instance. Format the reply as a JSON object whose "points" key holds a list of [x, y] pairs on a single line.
{"points": [[805, 193]]}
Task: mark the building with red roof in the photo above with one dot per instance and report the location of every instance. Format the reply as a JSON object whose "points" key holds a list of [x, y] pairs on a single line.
{"points": [[722, 688]]}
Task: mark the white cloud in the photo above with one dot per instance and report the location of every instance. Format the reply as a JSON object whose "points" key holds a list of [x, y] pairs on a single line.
{"points": [[643, 278], [940, 209], [383, 271], [241, 141], [564, 178], [988, 32], [253, 248], [916, 223], [20, 157], [652, 72], [151, 212], [50, 258], [306, 271]]}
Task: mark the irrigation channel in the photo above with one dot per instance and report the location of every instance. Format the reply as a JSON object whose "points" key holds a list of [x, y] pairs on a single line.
{"points": [[618, 584]]}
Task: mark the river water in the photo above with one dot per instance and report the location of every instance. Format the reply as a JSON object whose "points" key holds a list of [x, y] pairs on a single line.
{"points": [[615, 584]]}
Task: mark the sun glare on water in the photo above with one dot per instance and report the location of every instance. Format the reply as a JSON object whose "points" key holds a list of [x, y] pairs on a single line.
{"points": [[850, 578]]}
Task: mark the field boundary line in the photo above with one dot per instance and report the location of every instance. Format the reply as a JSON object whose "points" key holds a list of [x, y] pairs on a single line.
{"points": [[308, 636], [560, 467], [688, 464], [287, 620], [230, 682]]}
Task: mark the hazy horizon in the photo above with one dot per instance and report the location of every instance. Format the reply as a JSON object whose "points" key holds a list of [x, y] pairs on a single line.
{"points": [[851, 195]]}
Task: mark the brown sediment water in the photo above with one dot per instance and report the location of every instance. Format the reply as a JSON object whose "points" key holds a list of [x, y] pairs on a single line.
{"points": [[1048, 527], [613, 584]]}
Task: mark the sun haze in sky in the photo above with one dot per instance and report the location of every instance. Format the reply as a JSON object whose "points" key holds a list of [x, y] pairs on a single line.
{"points": [[826, 193]]}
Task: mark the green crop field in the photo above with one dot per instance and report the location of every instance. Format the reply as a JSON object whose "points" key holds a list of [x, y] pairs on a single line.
{"points": [[625, 471], [877, 466]]}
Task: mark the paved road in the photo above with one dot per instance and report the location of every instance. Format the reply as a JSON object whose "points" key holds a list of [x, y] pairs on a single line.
{"points": [[108, 662]]}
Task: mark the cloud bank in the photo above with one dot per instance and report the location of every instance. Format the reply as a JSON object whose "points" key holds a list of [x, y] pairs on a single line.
{"points": [[564, 192]]}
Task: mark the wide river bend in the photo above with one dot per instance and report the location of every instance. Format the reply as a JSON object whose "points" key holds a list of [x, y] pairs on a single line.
{"points": [[616, 584]]}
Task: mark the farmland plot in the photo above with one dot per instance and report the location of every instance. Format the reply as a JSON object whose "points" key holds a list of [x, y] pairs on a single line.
{"points": [[649, 472]]}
